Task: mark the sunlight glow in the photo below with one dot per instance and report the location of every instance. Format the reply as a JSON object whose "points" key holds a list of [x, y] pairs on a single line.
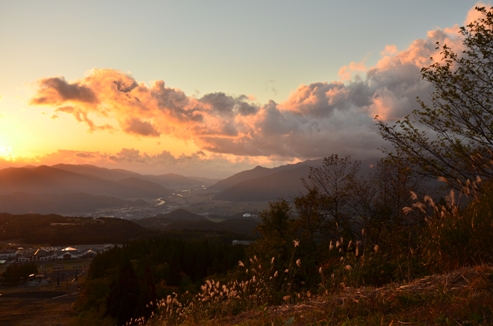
{"points": [[6, 152]]}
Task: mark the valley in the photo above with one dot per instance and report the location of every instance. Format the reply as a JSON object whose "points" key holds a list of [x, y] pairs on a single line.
{"points": [[91, 191], [198, 201]]}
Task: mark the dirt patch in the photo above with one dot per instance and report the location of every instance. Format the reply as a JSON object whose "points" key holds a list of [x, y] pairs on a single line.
{"points": [[33, 295], [37, 308]]}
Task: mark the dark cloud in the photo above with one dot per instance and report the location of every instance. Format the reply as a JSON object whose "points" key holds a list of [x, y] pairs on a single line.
{"points": [[228, 105], [84, 155], [125, 85], [143, 128], [57, 90], [169, 98], [129, 155]]}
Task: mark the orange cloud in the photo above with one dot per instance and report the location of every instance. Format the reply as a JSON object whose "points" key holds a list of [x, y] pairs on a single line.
{"points": [[473, 14], [56, 90], [346, 72], [141, 110], [315, 120]]}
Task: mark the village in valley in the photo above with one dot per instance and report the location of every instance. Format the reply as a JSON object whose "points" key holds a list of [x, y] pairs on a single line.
{"points": [[73, 260]]}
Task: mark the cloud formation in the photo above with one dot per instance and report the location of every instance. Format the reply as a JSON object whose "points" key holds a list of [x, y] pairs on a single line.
{"points": [[314, 121]]}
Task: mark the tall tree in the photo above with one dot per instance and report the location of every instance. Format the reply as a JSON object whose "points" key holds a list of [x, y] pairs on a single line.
{"points": [[276, 231], [460, 117], [332, 186], [124, 294]]}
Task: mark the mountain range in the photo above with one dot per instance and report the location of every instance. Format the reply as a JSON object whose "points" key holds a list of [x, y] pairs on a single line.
{"points": [[267, 184], [170, 180], [66, 188], [50, 180]]}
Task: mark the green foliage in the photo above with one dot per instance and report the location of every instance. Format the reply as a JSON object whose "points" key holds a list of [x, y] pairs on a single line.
{"points": [[59, 230], [126, 282], [276, 234], [347, 230], [460, 118], [93, 296], [334, 183], [14, 274], [123, 298]]}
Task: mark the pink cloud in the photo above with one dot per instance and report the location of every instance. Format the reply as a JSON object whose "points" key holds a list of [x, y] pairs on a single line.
{"points": [[316, 120], [347, 72], [473, 14]]}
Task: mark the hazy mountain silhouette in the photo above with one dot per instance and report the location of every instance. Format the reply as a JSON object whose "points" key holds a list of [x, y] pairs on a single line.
{"points": [[176, 181], [258, 172], [145, 188], [95, 171], [282, 184], [169, 180], [50, 180], [237, 178], [262, 184], [204, 181]]}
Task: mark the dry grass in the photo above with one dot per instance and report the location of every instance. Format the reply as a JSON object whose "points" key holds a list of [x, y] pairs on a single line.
{"points": [[463, 297]]}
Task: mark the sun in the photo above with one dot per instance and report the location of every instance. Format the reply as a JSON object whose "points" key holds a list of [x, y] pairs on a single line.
{"points": [[6, 152]]}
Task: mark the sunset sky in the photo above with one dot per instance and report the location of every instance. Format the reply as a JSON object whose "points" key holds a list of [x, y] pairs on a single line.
{"points": [[211, 88]]}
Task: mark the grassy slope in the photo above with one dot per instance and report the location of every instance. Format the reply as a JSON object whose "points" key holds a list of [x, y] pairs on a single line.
{"points": [[462, 297]]}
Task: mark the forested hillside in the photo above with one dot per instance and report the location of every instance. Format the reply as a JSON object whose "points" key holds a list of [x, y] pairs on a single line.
{"points": [[59, 230], [126, 282]]}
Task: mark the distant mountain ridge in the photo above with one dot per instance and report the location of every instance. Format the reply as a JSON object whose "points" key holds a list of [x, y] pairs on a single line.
{"points": [[54, 189], [264, 184], [50, 180], [67, 188], [95, 171], [259, 172], [169, 180], [282, 184]]}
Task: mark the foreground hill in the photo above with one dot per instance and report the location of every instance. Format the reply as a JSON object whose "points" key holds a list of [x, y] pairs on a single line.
{"points": [[23, 203], [181, 219], [461, 297], [50, 180], [59, 230]]}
